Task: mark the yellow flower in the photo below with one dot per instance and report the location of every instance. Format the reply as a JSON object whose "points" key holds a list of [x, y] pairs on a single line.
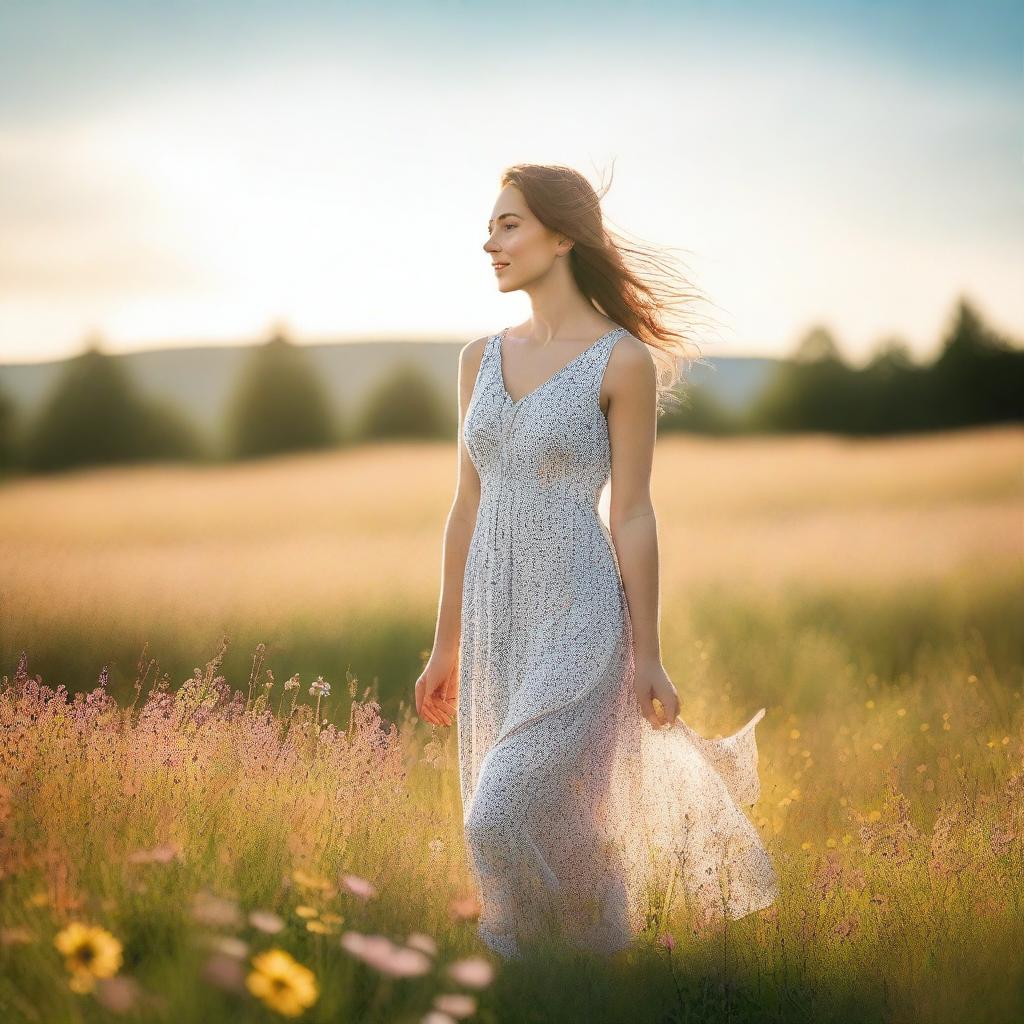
{"points": [[90, 952], [794, 734], [304, 911], [830, 842], [805, 845], [874, 815], [901, 712], [869, 704], [283, 984]]}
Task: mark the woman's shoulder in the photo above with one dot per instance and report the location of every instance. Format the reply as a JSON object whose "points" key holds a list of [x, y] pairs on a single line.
{"points": [[471, 356]]}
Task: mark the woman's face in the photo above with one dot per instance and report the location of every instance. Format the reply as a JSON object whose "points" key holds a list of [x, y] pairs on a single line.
{"points": [[522, 248]]}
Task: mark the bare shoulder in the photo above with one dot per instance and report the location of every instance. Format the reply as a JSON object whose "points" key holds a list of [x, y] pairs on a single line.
{"points": [[630, 361], [470, 357], [472, 353]]}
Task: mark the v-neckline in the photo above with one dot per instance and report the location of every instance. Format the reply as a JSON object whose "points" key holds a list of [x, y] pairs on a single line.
{"points": [[515, 402]]}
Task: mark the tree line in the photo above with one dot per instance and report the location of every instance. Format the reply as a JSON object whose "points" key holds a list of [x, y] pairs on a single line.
{"points": [[96, 415]]}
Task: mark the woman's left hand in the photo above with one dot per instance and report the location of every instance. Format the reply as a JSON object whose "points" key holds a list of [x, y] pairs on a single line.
{"points": [[652, 683]]}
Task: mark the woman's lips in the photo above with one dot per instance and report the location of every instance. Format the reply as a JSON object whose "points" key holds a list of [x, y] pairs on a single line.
{"points": [[499, 267]]}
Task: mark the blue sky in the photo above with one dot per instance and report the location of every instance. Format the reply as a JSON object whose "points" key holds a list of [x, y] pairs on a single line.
{"points": [[179, 173]]}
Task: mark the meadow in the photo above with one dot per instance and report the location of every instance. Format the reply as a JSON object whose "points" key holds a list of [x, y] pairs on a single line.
{"points": [[217, 803]]}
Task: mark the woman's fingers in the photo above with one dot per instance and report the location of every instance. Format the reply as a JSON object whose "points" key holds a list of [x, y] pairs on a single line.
{"points": [[437, 710]]}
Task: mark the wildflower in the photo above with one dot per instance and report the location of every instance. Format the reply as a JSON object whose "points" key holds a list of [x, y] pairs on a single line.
{"points": [[14, 935], [293, 683], [320, 688], [464, 908], [228, 945], [473, 971], [794, 734], [386, 956], [162, 854], [455, 1004], [226, 971], [307, 912], [215, 911], [283, 984], [265, 921], [419, 940], [359, 886], [667, 940], [310, 881], [90, 952]]}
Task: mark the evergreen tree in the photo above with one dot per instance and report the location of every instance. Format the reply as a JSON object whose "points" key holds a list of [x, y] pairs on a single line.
{"points": [[94, 415], [8, 428], [978, 376], [279, 404], [405, 404]]}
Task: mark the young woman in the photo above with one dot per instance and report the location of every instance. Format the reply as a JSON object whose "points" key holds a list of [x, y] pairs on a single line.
{"points": [[583, 792]]}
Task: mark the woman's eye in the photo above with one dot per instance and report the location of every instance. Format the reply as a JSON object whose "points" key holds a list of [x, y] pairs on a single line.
{"points": [[511, 225]]}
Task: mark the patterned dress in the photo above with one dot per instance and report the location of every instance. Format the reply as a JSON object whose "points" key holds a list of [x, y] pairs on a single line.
{"points": [[577, 813]]}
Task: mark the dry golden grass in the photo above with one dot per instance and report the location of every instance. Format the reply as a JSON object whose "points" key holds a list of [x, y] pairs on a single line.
{"points": [[328, 535], [869, 593]]}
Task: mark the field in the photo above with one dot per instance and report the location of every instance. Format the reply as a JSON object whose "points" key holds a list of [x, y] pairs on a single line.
{"points": [[869, 594]]}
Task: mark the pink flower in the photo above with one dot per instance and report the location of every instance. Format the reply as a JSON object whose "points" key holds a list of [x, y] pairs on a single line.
{"points": [[386, 956], [162, 854], [418, 940], [667, 940], [455, 1004], [266, 921], [474, 971], [359, 886]]}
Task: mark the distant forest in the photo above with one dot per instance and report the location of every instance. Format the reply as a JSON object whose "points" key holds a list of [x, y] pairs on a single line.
{"points": [[96, 414]]}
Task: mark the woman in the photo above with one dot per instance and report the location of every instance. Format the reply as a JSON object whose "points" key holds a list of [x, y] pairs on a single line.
{"points": [[581, 802]]}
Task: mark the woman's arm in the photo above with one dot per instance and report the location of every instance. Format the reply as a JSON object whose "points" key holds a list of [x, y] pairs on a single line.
{"points": [[437, 686], [631, 386]]}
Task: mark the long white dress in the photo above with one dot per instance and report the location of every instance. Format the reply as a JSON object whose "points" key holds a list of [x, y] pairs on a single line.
{"points": [[575, 808]]}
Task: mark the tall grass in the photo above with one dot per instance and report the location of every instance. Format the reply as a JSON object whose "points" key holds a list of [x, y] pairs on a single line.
{"points": [[199, 818]]}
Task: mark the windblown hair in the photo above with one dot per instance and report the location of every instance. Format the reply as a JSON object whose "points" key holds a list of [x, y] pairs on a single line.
{"points": [[632, 283]]}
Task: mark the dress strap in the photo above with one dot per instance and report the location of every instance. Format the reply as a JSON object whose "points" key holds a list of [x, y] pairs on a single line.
{"points": [[603, 353]]}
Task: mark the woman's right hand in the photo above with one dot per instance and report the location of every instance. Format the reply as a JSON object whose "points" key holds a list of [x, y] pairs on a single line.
{"points": [[437, 689]]}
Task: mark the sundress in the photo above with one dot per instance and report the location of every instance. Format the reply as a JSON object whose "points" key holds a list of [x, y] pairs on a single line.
{"points": [[580, 819]]}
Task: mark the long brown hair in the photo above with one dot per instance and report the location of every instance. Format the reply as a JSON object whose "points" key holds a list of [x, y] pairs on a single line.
{"points": [[630, 282]]}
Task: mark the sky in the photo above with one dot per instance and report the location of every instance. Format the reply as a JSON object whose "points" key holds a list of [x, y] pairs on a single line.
{"points": [[180, 173]]}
